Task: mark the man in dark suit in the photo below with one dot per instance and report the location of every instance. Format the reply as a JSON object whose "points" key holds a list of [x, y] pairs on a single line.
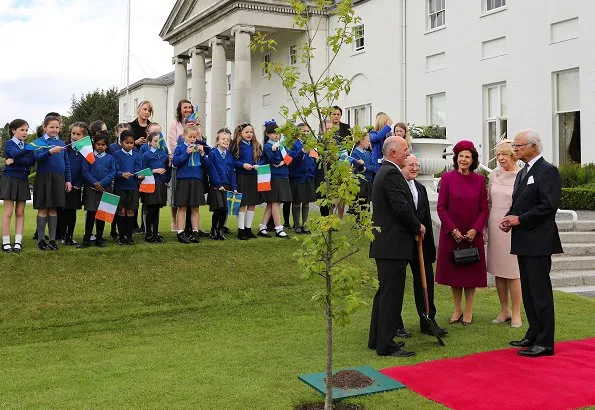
{"points": [[532, 218], [422, 211], [392, 247]]}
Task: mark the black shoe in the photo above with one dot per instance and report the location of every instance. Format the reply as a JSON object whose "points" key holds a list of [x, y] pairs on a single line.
{"points": [[100, 242], [399, 353], [286, 225], [242, 235], [149, 238], [130, 241], [402, 332], [17, 247], [7, 248], [86, 243], [263, 233], [281, 234], [536, 351], [158, 238], [115, 236], [121, 240], [440, 330], [226, 230], [182, 238], [35, 236], [298, 230], [220, 235], [524, 342], [203, 234], [306, 231], [52, 246], [249, 234], [138, 231], [195, 238], [214, 236]]}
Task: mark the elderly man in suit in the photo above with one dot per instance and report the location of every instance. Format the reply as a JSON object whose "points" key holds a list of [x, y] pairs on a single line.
{"points": [[393, 246], [532, 218], [422, 211]]}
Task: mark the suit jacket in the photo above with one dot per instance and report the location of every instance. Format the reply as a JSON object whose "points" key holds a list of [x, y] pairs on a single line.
{"points": [[394, 213], [536, 205], [423, 216]]}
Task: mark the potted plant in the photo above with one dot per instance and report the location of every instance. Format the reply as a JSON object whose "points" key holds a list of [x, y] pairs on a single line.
{"points": [[427, 144]]}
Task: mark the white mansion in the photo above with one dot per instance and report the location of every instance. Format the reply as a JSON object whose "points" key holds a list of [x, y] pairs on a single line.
{"points": [[478, 67]]}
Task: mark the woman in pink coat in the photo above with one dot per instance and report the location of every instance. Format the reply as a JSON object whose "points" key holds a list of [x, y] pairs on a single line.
{"points": [[463, 211]]}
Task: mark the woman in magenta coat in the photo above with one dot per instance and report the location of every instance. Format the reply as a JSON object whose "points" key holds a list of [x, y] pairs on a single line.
{"points": [[463, 211]]}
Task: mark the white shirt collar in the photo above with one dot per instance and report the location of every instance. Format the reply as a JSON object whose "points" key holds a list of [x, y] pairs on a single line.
{"points": [[127, 152], [17, 141], [533, 161]]}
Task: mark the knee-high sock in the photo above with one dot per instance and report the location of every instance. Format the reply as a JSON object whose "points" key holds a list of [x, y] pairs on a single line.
{"points": [[215, 220], [295, 210], [121, 221], [287, 209], [100, 225], [305, 212], [41, 222], [156, 220], [149, 220], [241, 219], [188, 224], [71, 224], [58, 231], [52, 225], [129, 226], [89, 223], [249, 219], [63, 222], [222, 218]]}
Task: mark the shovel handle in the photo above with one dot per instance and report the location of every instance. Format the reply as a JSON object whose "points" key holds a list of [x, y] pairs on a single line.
{"points": [[422, 267]]}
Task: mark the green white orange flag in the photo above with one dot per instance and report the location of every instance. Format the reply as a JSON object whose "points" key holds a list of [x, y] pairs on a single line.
{"points": [[264, 178], [85, 147], [147, 185], [286, 157], [107, 207]]}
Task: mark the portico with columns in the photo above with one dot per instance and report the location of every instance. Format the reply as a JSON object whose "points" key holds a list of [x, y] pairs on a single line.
{"points": [[200, 31]]}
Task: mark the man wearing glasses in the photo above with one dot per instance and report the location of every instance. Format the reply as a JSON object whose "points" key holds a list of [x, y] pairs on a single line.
{"points": [[532, 219]]}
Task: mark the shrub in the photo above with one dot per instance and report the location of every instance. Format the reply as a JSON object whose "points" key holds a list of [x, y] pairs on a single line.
{"points": [[578, 198], [575, 175]]}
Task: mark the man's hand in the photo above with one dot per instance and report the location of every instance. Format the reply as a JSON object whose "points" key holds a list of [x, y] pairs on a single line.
{"points": [[511, 220]]}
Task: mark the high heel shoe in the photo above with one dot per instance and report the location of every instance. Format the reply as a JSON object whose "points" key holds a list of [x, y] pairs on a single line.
{"points": [[498, 320], [516, 324], [464, 323], [452, 322]]}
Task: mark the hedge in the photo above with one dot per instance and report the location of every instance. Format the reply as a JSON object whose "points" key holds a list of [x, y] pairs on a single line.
{"points": [[578, 199]]}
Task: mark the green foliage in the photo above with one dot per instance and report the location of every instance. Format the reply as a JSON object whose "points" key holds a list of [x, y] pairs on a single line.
{"points": [[427, 131], [574, 175], [94, 105], [578, 198]]}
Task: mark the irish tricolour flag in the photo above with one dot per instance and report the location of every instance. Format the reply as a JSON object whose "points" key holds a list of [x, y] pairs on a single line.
{"points": [[147, 185], [264, 178], [85, 147], [286, 157], [107, 207]]}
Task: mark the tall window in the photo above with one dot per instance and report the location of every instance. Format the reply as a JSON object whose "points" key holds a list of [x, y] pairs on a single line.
{"points": [[266, 60], [292, 54], [358, 40], [568, 115], [189, 93], [496, 123], [437, 109], [436, 14], [494, 4], [359, 115]]}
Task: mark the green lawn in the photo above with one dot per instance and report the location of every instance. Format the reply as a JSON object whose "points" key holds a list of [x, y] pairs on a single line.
{"points": [[218, 325]]}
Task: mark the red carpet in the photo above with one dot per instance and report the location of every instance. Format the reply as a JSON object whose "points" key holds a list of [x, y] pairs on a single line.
{"points": [[503, 380]]}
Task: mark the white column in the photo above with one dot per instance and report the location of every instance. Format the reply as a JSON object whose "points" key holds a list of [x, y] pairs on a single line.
{"points": [[218, 85], [180, 78], [242, 74], [199, 92]]}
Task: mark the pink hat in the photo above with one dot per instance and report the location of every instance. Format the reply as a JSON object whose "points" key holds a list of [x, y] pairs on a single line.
{"points": [[463, 146]]}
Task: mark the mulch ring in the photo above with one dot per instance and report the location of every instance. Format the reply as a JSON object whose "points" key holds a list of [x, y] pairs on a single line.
{"points": [[350, 379]]}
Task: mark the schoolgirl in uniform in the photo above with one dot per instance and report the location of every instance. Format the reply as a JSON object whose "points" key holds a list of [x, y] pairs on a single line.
{"points": [[223, 178], [128, 163], [115, 147], [14, 185], [280, 189], [246, 151], [52, 181], [158, 161], [192, 165], [78, 130], [302, 172], [99, 177], [364, 164]]}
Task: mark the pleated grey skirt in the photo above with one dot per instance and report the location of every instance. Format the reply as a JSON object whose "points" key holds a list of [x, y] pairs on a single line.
{"points": [[48, 191], [14, 189]]}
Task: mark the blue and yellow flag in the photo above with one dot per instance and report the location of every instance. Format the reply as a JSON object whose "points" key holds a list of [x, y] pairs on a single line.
{"points": [[162, 143], [36, 145], [233, 203]]}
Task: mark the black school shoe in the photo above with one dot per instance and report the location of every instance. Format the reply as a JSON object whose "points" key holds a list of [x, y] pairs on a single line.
{"points": [[221, 235], [182, 238], [226, 230], [100, 242], [52, 245], [242, 235], [158, 238], [195, 237], [149, 238], [6, 248], [130, 241], [249, 234], [17, 247], [203, 234], [43, 246]]}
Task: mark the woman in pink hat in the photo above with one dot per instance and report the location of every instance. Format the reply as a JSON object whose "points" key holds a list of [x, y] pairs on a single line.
{"points": [[463, 211]]}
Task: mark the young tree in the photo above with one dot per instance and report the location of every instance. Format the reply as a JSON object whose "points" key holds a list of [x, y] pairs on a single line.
{"points": [[313, 91], [94, 105]]}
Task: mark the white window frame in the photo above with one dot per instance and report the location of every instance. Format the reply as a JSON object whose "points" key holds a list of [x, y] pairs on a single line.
{"points": [[436, 17], [359, 115], [429, 99], [490, 6], [229, 85], [497, 119], [266, 59], [292, 54], [135, 105], [359, 39], [558, 112], [189, 93]]}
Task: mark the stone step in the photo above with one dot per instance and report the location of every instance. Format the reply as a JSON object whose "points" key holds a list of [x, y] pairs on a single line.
{"points": [[588, 291], [573, 278], [579, 249], [572, 263], [577, 237], [580, 226]]}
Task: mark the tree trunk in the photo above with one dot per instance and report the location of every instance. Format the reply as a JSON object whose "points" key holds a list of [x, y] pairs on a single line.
{"points": [[328, 400]]}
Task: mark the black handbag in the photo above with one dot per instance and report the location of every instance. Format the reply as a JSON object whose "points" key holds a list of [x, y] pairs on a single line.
{"points": [[465, 256]]}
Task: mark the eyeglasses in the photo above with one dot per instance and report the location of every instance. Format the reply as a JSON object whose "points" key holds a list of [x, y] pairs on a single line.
{"points": [[520, 145]]}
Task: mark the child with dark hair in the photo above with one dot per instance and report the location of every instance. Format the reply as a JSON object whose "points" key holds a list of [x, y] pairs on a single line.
{"points": [[95, 127], [158, 161], [98, 178], [302, 171], [115, 147], [14, 185]]}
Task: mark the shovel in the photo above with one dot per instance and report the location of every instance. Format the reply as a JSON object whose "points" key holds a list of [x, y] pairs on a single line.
{"points": [[424, 285]]}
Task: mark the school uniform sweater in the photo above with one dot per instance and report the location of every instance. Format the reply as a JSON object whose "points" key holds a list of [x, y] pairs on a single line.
{"points": [[126, 162], [103, 170], [245, 157], [224, 172], [369, 163], [48, 163], [155, 160], [76, 168], [23, 159], [181, 161], [275, 157], [377, 140]]}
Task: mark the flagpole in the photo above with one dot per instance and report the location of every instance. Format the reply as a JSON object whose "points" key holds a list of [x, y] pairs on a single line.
{"points": [[128, 15]]}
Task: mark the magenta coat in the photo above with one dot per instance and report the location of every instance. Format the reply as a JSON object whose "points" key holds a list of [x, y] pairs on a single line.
{"points": [[462, 204]]}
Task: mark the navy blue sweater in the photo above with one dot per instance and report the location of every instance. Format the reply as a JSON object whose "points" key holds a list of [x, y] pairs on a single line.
{"points": [[181, 161], [223, 170], [48, 163], [23, 159], [103, 170], [127, 163], [369, 163], [377, 140], [155, 160], [245, 157], [302, 168], [76, 168]]}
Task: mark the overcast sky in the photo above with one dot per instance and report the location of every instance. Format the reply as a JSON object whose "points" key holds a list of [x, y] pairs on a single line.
{"points": [[52, 49]]}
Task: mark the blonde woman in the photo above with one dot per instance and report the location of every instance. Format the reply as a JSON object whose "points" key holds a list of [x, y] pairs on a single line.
{"points": [[380, 132], [501, 264], [144, 111]]}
